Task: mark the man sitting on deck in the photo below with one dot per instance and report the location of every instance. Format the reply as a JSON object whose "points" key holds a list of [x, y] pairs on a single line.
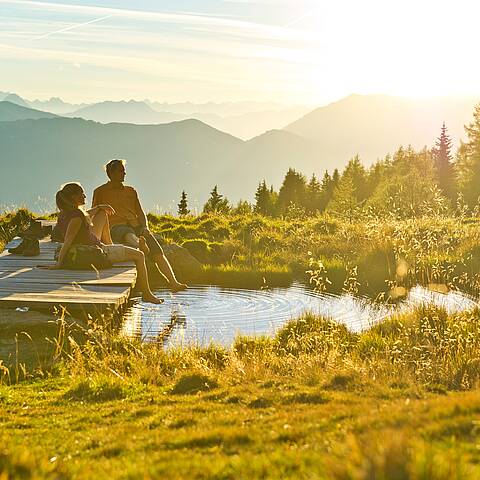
{"points": [[129, 221]]}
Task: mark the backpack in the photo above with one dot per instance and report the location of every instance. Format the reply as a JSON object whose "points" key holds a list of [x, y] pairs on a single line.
{"points": [[85, 257]]}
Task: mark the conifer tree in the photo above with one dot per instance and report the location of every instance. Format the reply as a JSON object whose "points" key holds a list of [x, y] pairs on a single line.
{"points": [[292, 191], [242, 208], [335, 177], [469, 160], [265, 199], [313, 196], [344, 202], [183, 205], [216, 203], [443, 163], [327, 189], [356, 172], [262, 196]]}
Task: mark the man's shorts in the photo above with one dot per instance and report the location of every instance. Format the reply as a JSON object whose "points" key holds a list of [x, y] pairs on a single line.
{"points": [[119, 232]]}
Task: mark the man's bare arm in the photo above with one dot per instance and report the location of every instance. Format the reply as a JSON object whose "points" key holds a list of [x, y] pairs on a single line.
{"points": [[142, 218]]}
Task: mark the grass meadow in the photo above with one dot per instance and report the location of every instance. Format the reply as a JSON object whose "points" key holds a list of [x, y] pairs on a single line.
{"points": [[398, 401], [371, 255]]}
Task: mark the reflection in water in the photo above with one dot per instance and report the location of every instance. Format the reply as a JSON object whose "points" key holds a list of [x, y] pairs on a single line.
{"points": [[204, 314]]}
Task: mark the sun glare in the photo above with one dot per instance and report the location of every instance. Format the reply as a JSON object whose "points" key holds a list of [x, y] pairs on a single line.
{"points": [[408, 48]]}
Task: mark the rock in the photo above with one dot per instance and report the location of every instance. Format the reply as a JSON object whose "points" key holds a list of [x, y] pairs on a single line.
{"points": [[184, 264]]}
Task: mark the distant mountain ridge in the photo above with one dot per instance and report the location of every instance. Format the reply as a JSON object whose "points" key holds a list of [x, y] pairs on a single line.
{"points": [[125, 112], [14, 98], [245, 126], [56, 105], [163, 160], [10, 112], [241, 119]]}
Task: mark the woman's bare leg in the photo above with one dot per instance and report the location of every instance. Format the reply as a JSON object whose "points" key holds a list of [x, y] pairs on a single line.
{"points": [[101, 227], [138, 257]]}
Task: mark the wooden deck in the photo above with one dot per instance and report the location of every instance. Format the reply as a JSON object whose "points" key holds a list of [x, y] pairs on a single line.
{"points": [[24, 285]]}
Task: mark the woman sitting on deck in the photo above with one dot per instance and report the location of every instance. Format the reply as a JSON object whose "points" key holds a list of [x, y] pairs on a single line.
{"points": [[80, 227]]}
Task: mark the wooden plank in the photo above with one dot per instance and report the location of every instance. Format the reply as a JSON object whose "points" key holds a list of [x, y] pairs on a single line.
{"points": [[60, 288], [88, 300], [77, 304], [125, 276], [22, 284]]}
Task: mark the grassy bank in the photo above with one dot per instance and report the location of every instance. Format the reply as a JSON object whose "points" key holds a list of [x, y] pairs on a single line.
{"points": [[398, 401], [370, 254]]}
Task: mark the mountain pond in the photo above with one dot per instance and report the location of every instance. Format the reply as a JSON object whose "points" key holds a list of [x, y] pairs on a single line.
{"points": [[206, 314]]}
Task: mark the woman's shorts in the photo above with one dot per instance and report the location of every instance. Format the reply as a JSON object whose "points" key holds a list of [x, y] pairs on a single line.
{"points": [[115, 253]]}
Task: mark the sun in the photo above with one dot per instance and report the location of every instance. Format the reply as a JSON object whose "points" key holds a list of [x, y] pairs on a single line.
{"points": [[411, 48]]}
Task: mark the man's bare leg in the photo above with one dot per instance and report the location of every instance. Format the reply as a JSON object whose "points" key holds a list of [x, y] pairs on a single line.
{"points": [[142, 245], [166, 270], [132, 240]]}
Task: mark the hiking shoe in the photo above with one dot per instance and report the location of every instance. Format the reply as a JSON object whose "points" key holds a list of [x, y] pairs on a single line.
{"points": [[18, 250], [35, 230], [32, 248]]}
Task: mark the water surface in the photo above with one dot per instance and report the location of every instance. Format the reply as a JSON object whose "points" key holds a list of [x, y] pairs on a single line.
{"points": [[205, 314]]}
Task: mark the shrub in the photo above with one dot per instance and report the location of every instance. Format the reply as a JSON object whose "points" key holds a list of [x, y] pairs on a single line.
{"points": [[191, 384]]}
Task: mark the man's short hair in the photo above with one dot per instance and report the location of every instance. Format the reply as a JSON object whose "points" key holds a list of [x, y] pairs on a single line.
{"points": [[113, 164]]}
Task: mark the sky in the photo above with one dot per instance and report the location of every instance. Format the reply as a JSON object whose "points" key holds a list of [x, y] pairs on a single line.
{"points": [[308, 52]]}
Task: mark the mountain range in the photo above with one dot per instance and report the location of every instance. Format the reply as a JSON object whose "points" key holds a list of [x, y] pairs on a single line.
{"points": [[242, 119], [164, 159], [40, 151], [10, 112]]}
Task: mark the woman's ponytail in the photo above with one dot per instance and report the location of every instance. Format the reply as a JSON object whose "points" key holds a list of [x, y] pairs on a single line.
{"points": [[64, 197]]}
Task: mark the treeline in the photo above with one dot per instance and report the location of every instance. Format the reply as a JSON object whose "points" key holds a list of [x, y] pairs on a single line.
{"points": [[406, 184]]}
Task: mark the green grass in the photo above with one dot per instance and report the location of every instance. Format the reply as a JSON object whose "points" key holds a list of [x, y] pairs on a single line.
{"points": [[276, 428], [383, 252], [399, 401], [371, 255]]}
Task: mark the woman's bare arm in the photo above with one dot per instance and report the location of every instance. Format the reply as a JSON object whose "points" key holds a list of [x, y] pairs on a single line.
{"points": [[94, 210]]}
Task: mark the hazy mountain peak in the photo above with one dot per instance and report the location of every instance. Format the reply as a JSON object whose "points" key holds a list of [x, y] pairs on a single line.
{"points": [[14, 98], [374, 125]]}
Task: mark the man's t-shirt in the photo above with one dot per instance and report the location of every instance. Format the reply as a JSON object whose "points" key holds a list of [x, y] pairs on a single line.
{"points": [[124, 201]]}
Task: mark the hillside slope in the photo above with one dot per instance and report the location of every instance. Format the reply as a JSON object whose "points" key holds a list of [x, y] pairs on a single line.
{"points": [[162, 159], [374, 125]]}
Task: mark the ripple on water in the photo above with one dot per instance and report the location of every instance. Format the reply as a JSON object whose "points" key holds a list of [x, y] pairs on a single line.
{"points": [[208, 313], [205, 314]]}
